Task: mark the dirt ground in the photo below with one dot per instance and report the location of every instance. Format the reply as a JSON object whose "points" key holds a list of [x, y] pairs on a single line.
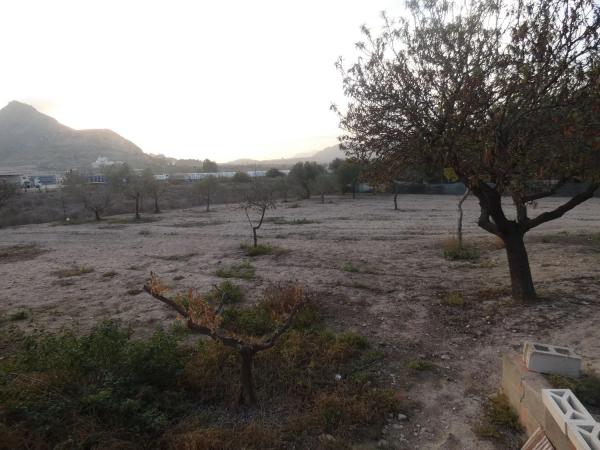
{"points": [[395, 297]]}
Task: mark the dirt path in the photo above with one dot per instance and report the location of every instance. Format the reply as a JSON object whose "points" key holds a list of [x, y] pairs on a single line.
{"points": [[394, 296]]}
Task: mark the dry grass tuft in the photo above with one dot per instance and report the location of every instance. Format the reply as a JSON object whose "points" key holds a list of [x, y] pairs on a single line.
{"points": [[74, 271], [21, 252]]}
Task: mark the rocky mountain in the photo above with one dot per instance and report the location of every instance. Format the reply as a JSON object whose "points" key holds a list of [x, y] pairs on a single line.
{"points": [[30, 138], [324, 156]]}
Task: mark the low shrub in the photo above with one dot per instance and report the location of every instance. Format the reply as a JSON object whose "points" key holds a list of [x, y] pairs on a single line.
{"points": [[74, 271], [20, 252], [454, 299], [500, 422], [106, 389], [181, 257], [18, 316], [244, 270], [453, 251], [421, 365], [259, 250], [227, 292], [349, 267]]}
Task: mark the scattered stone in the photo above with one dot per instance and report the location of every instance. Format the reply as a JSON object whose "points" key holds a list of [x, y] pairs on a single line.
{"points": [[402, 417], [326, 437]]}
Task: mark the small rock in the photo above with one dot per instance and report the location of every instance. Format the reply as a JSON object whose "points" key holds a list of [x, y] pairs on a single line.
{"points": [[446, 357], [402, 417], [326, 437]]}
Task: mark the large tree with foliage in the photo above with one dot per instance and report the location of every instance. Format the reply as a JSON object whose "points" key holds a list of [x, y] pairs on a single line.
{"points": [[506, 94], [209, 166], [347, 174], [303, 174]]}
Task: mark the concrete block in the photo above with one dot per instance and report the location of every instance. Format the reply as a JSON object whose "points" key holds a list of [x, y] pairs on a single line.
{"points": [[564, 407], [584, 435], [545, 358]]}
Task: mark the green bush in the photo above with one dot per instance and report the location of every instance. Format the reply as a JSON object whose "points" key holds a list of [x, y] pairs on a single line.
{"points": [[454, 299], [18, 316], [453, 251], [500, 422], [259, 250], [349, 267], [105, 389], [244, 270], [226, 290]]}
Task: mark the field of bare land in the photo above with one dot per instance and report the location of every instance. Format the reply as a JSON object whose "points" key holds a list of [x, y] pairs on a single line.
{"points": [[375, 271]]}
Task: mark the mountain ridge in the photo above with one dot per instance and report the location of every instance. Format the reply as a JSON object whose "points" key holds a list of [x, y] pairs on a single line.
{"points": [[28, 136], [31, 138]]}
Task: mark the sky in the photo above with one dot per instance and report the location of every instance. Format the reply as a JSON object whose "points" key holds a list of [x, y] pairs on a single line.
{"points": [[220, 79]]}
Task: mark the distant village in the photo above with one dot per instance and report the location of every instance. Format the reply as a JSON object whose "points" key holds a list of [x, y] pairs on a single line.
{"points": [[27, 177]]}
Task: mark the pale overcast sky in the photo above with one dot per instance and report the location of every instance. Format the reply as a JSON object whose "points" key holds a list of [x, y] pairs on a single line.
{"points": [[191, 79]]}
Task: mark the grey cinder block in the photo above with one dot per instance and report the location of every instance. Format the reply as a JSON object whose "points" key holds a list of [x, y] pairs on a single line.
{"points": [[552, 359]]}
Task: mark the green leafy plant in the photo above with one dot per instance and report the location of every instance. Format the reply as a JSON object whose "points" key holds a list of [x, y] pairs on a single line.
{"points": [[244, 270]]}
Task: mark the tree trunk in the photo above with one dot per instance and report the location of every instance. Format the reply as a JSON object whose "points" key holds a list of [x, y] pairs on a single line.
{"points": [[353, 191], [247, 395], [322, 197], [459, 233], [396, 201], [97, 214], [137, 208], [518, 263], [156, 208], [255, 237]]}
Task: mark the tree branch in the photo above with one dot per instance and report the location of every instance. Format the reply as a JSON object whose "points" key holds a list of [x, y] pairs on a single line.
{"points": [[544, 194], [561, 210]]}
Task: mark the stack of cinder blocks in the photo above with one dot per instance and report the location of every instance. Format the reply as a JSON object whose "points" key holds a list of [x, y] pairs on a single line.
{"points": [[558, 412], [577, 424]]}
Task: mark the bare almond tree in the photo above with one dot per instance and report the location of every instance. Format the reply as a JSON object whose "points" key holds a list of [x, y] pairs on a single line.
{"points": [[258, 200], [206, 319]]}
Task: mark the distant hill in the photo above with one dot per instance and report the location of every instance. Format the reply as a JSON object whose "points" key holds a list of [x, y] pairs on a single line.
{"points": [[324, 156], [31, 139], [28, 137]]}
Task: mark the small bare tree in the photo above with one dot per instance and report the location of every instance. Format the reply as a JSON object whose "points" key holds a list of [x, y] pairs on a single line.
{"points": [[323, 184], [95, 198], [206, 319], [206, 189], [396, 193], [258, 201]]}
